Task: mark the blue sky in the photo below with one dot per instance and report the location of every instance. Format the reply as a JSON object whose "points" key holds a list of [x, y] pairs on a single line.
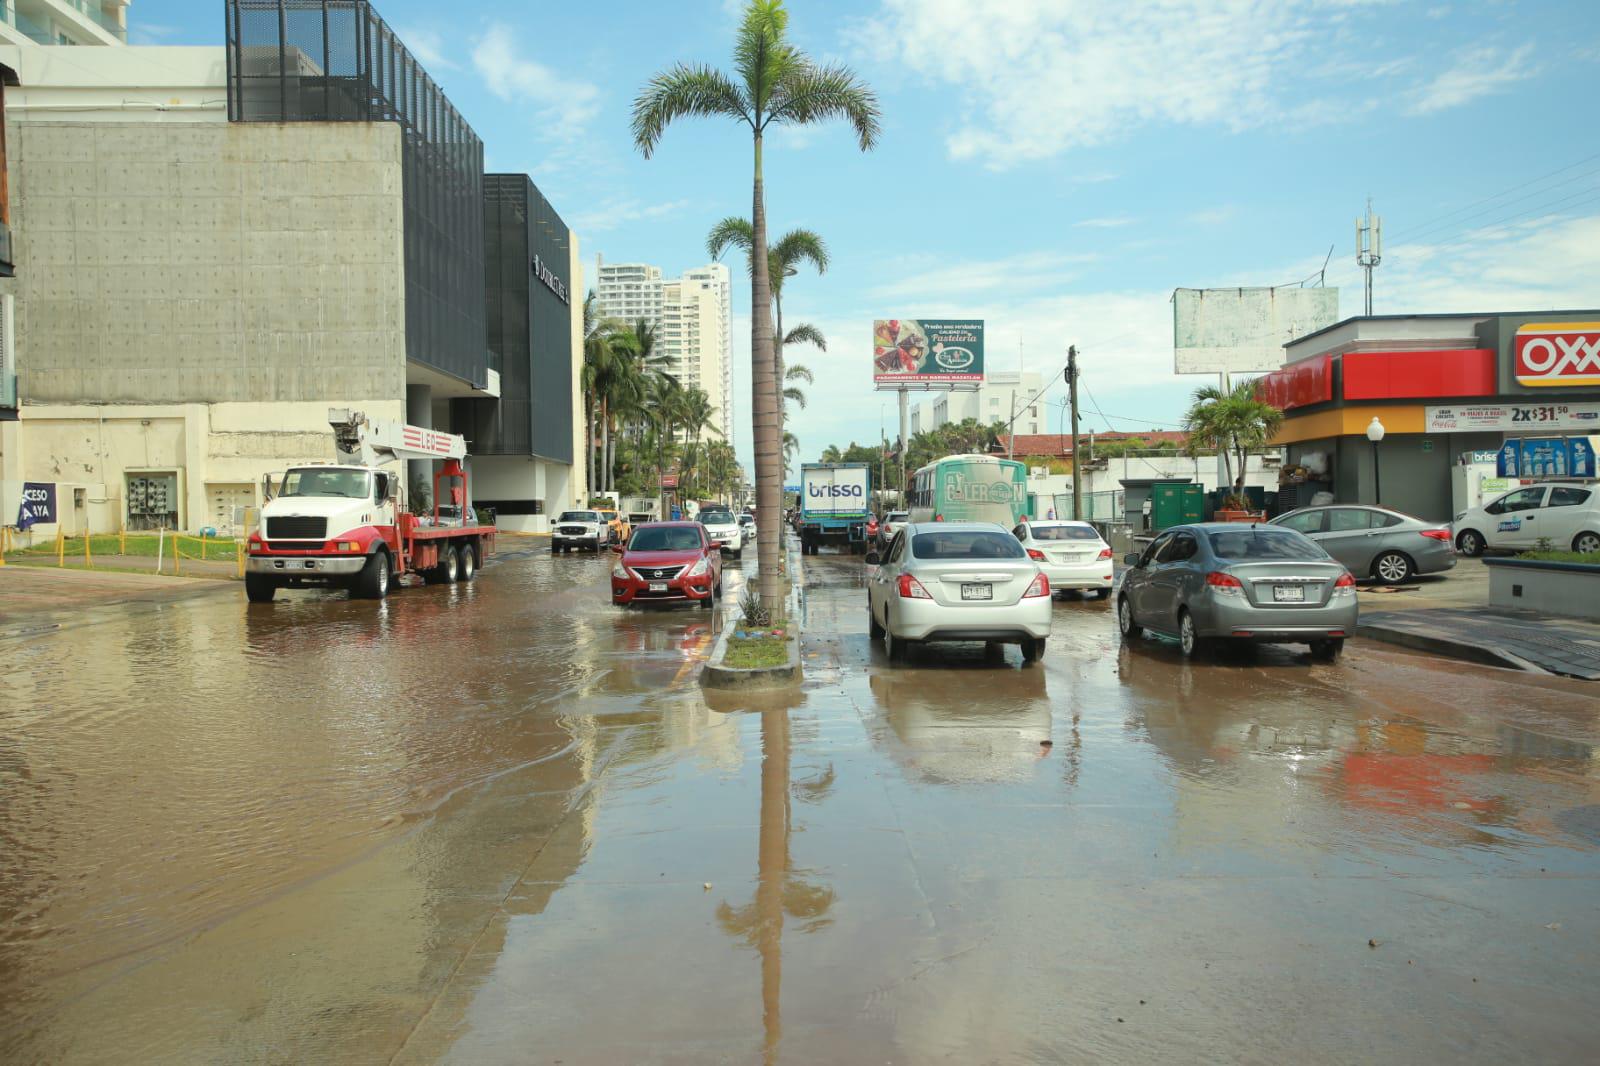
{"points": [[1057, 167]]}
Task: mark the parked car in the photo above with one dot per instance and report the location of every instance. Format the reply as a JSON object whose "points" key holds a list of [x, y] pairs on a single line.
{"points": [[1375, 541], [1071, 554], [947, 581], [667, 562], [724, 529], [1566, 515], [747, 522], [579, 529], [618, 525], [1227, 581]]}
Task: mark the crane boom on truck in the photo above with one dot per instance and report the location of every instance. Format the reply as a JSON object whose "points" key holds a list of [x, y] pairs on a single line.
{"points": [[347, 525]]}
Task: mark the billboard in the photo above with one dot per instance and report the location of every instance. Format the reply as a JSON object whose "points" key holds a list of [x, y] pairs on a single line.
{"points": [[1243, 331], [923, 351], [1513, 417]]}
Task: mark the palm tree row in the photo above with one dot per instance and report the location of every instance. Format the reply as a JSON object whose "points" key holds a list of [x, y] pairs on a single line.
{"points": [[772, 82], [629, 394]]}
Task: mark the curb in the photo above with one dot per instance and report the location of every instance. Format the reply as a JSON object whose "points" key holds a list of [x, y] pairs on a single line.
{"points": [[1475, 653], [716, 676]]}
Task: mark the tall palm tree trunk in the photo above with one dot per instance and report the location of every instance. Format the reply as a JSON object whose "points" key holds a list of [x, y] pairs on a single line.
{"points": [[766, 429], [777, 361]]}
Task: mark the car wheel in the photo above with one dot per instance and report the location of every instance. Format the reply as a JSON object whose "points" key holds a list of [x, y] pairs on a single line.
{"points": [[259, 588], [1130, 628], [555, 549], [893, 645], [709, 602], [1033, 650], [1586, 542], [874, 630], [1326, 650], [1470, 543], [1101, 594], [1392, 568], [1189, 638]]}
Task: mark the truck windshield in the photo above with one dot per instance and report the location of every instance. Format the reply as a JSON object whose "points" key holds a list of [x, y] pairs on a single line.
{"points": [[352, 484], [716, 518]]}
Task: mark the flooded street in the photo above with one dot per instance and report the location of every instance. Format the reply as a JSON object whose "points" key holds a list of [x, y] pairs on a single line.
{"points": [[502, 823]]}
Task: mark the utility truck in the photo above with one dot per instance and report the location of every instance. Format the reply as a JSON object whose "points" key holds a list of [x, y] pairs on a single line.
{"points": [[347, 525], [834, 506]]}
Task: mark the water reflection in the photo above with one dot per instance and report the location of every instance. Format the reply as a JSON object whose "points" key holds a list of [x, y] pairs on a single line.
{"points": [[962, 726]]}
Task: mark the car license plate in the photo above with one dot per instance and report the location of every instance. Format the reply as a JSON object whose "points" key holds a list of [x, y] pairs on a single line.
{"points": [[977, 592], [1288, 593], [658, 586]]}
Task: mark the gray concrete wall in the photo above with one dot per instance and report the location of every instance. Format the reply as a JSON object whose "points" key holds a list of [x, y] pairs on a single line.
{"points": [[1566, 592], [207, 262]]}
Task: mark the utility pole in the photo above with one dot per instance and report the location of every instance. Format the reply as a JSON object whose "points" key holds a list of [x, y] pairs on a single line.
{"points": [[1369, 248], [1072, 400]]}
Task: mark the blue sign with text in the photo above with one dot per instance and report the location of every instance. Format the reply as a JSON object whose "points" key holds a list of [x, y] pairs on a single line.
{"points": [[38, 504], [1533, 457]]}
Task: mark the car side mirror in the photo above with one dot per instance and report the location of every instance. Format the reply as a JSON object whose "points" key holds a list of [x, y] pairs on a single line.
{"points": [[873, 559], [1131, 559]]}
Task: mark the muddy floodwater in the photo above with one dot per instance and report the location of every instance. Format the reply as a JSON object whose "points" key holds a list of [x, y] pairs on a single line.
{"points": [[501, 823]]}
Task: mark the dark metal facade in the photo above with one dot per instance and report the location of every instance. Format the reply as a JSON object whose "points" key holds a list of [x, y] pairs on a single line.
{"points": [[337, 61], [529, 326]]}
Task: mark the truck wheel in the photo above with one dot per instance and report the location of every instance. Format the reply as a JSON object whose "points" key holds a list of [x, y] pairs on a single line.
{"points": [[259, 588], [449, 566], [373, 581], [469, 563]]}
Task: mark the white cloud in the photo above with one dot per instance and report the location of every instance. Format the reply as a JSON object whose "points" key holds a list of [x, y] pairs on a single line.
{"points": [[1476, 72], [951, 286], [428, 46], [561, 106], [1109, 222], [617, 213]]}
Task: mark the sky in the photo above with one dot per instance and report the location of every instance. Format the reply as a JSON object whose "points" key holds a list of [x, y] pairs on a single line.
{"points": [[1058, 167]]}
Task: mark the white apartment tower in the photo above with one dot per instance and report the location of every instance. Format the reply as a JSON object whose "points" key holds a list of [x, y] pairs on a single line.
{"points": [[692, 316], [1003, 395], [71, 22]]}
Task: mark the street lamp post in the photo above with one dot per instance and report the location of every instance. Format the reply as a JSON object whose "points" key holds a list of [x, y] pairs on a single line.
{"points": [[1375, 434]]}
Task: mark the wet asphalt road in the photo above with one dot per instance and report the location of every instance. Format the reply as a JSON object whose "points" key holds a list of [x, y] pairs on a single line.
{"points": [[500, 823]]}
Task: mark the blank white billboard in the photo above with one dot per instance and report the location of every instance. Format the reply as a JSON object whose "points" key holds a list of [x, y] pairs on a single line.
{"points": [[1243, 331]]}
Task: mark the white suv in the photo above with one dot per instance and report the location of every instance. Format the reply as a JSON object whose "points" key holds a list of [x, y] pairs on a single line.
{"points": [[580, 529], [1566, 515], [723, 529]]}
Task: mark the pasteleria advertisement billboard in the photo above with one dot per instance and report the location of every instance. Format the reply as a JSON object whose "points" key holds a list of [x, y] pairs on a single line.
{"points": [[927, 351]]}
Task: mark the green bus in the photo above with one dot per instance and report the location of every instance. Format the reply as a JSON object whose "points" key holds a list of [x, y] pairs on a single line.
{"points": [[970, 488]]}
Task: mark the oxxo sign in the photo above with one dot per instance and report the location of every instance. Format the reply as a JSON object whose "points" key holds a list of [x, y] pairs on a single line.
{"points": [[1557, 354]]}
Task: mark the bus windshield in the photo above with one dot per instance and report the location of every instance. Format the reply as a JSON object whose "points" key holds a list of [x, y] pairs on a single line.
{"points": [[971, 488]]}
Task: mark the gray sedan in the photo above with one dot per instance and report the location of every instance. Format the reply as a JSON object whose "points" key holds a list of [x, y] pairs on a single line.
{"points": [[1225, 580], [1375, 541]]}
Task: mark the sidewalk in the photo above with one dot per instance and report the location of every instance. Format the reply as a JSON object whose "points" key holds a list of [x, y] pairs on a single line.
{"points": [[1451, 616], [35, 599]]}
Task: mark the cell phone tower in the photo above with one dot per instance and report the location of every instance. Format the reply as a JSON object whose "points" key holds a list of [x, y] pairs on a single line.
{"points": [[1369, 247]]}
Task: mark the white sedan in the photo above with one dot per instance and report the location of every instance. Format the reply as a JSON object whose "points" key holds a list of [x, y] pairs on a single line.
{"points": [[1071, 554]]}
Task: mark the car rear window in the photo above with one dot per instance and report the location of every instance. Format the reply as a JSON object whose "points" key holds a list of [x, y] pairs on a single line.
{"points": [[1254, 545], [664, 539], [1064, 533], [897, 516], [970, 544]]}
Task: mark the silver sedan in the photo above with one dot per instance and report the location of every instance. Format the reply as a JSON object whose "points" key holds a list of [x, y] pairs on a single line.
{"points": [[941, 581], [1224, 580], [1375, 541]]}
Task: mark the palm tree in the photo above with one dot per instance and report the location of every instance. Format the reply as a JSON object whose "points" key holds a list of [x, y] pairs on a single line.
{"points": [[598, 365], [632, 364], [1233, 422], [791, 447], [783, 261], [772, 82]]}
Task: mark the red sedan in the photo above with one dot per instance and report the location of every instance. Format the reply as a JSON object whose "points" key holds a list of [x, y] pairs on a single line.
{"points": [[668, 562]]}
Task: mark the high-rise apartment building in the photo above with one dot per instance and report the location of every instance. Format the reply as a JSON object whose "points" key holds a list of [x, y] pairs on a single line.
{"points": [[1004, 395], [75, 22], [692, 316]]}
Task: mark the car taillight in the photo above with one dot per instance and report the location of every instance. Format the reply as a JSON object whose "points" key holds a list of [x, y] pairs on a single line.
{"points": [[1226, 584], [911, 589], [1346, 581], [1040, 587], [1436, 534], [1036, 555], [1105, 553]]}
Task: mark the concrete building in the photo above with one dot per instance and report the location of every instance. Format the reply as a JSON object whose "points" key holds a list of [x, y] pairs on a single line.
{"points": [[1003, 395], [692, 315], [215, 248], [1448, 390], [64, 22]]}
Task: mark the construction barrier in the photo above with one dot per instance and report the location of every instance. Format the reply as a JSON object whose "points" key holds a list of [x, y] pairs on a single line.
{"points": [[166, 550]]}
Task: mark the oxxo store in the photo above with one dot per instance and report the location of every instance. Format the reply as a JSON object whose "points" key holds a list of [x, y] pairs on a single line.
{"points": [[1448, 392]]}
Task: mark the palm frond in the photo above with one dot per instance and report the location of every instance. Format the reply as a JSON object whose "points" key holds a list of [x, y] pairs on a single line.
{"points": [[761, 54], [731, 232], [799, 372], [795, 396], [801, 246], [805, 333], [812, 94], [685, 90]]}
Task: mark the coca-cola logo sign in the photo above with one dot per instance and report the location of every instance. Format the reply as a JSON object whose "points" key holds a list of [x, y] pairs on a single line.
{"points": [[1557, 354]]}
